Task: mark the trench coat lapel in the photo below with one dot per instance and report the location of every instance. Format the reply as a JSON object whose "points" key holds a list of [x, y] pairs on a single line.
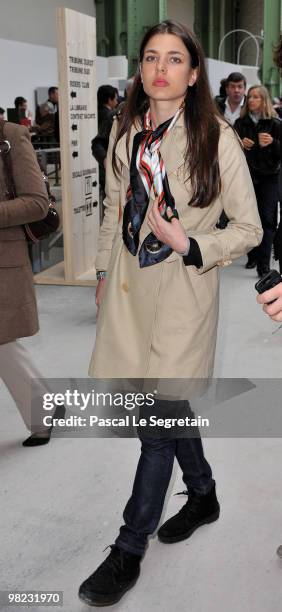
{"points": [[172, 148], [121, 145]]}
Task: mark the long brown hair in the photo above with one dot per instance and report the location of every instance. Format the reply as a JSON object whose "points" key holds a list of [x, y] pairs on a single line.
{"points": [[200, 115]]}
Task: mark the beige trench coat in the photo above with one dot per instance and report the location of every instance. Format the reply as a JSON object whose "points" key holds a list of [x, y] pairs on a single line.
{"points": [[161, 321], [17, 297]]}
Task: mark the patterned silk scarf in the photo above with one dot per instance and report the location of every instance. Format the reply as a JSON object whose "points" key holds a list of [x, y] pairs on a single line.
{"points": [[146, 170]]}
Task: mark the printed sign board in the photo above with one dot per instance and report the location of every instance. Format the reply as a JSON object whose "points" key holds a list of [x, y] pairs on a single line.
{"points": [[78, 125]]}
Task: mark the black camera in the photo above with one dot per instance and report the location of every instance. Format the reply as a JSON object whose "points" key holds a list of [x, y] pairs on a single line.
{"points": [[268, 281]]}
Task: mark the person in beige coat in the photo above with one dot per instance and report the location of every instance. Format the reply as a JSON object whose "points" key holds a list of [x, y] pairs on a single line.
{"points": [[17, 296], [158, 274]]}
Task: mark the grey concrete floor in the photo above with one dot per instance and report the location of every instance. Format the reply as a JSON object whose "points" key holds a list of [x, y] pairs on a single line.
{"points": [[61, 504]]}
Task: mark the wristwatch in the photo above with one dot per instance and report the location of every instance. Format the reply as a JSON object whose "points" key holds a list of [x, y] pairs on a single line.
{"points": [[100, 274]]}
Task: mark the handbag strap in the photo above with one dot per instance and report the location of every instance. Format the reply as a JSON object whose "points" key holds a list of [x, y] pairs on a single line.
{"points": [[5, 148]]}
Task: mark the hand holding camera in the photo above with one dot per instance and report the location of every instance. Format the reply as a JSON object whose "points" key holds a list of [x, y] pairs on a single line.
{"points": [[269, 288]]}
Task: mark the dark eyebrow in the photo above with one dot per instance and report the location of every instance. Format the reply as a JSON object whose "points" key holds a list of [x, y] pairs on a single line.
{"points": [[169, 52]]}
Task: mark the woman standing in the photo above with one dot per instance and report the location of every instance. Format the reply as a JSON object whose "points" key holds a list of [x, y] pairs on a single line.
{"points": [[17, 296], [170, 155], [259, 128]]}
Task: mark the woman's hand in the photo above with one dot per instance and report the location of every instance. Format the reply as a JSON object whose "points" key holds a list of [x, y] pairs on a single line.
{"points": [[171, 233], [247, 143], [265, 139], [100, 292]]}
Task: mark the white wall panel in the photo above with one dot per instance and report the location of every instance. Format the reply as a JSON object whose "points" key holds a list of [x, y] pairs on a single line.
{"points": [[25, 68], [218, 70], [33, 21]]}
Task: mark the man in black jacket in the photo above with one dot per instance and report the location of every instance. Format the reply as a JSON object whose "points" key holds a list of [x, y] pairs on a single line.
{"points": [[230, 106], [107, 103]]}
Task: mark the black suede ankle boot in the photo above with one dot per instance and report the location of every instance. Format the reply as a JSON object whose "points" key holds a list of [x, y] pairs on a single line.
{"points": [[199, 510], [39, 439], [116, 575]]}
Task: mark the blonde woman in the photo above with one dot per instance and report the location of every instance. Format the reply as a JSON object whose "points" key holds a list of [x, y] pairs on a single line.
{"points": [[259, 128]]}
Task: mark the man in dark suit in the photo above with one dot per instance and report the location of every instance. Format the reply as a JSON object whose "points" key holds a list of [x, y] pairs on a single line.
{"points": [[235, 88], [107, 103]]}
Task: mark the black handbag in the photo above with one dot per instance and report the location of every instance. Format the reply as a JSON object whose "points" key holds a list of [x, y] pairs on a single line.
{"points": [[36, 230]]}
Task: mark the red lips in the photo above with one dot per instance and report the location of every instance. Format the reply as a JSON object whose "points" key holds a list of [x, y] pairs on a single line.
{"points": [[160, 82]]}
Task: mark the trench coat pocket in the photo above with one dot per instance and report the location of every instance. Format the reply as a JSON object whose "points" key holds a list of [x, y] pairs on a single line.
{"points": [[205, 286], [13, 254]]}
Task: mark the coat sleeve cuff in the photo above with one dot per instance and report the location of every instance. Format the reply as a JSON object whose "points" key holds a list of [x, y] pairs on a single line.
{"points": [[194, 257]]}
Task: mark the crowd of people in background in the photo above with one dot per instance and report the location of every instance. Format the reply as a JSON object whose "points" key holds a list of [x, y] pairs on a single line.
{"points": [[256, 119], [259, 129], [45, 128]]}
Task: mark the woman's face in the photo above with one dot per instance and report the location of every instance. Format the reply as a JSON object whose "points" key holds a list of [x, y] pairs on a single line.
{"points": [[255, 101], [166, 68]]}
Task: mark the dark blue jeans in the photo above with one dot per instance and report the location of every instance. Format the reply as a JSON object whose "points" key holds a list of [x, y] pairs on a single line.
{"points": [[143, 510]]}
